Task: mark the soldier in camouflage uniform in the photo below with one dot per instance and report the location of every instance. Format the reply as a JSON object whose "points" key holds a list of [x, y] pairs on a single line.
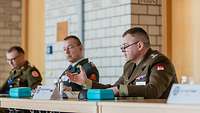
{"points": [[74, 52], [147, 73], [22, 73]]}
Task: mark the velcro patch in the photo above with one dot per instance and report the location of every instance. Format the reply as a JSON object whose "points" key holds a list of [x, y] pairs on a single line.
{"points": [[93, 77], [160, 67], [35, 74]]}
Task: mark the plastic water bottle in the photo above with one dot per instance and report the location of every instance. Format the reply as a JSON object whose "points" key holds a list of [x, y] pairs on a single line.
{"points": [[186, 79]]}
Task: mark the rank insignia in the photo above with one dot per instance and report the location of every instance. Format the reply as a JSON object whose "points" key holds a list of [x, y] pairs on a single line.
{"points": [[154, 55]]}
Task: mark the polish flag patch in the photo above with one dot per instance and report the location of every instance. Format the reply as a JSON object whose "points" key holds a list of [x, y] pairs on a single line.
{"points": [[35, 74], [160, 67], [93, 77]]}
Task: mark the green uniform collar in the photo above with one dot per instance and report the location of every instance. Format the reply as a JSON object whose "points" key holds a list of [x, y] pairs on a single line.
{"points": [[146, 56], [24, 67]]}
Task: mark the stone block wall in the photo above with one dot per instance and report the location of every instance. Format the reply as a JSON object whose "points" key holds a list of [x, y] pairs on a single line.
{"points": [[147, 14], [10, 31], [104, 23]]}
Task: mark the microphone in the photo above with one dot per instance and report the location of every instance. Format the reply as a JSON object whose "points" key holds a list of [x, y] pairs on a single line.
{"points": [[63, 73], [59, 84], [71, 69]]}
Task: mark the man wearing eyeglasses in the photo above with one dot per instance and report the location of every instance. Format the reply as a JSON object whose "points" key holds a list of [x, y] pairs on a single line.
{"points": [[73, 50], [22, 73], [147, 73]]}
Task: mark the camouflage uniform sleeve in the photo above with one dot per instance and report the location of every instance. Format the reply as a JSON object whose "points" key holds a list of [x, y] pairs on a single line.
{"points": [[34, 78], [159, 80], [91, 71], [119, 81], [93, 84]]}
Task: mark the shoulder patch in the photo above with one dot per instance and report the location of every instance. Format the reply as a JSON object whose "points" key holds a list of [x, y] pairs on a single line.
{"points": [[35, 74], [93, 65], [93, 77], [154, 56], [160, 67]]}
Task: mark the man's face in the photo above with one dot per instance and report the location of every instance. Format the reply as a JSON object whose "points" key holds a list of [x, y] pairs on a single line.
{"points": [[73, 51], [130, 47], [14, 59]]}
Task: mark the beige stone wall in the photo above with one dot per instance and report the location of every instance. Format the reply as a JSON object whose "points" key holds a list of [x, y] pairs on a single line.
{"points": [[147, 14], [10, 30], [104, 23]]}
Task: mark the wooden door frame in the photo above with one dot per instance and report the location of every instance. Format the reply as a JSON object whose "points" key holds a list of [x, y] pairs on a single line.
{"points": [[167, 27], [26, 34], [24, 25]]}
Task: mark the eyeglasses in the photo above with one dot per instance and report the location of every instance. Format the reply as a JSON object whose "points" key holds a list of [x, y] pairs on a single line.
{"points": [[124, 46], [13, 59], [70, 47]]}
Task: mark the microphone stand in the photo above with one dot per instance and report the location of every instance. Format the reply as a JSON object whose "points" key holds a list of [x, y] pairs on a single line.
{"points": [[59, 83]]}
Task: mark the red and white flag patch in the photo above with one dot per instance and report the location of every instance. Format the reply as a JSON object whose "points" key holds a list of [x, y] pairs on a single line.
{"points": [[35, 74], [160, 67]]}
